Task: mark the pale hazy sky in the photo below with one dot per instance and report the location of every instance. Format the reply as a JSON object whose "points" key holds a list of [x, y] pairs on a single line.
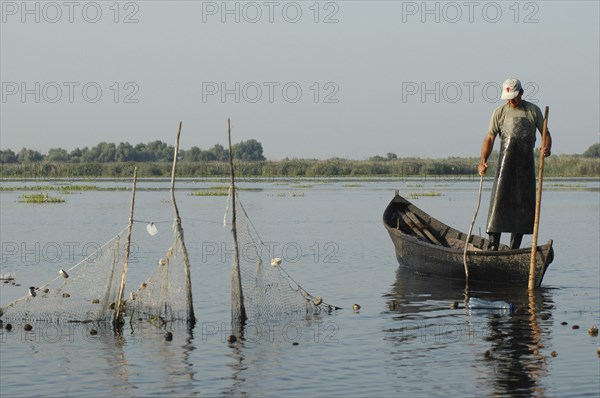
{"points": [[307, 79]]}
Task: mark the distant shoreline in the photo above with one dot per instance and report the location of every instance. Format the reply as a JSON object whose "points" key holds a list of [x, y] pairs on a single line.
{"points": [[567, 166]]}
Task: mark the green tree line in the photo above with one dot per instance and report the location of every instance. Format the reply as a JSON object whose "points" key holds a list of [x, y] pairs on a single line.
{"points": [[154, 151], [554, 166], [199, 164]]}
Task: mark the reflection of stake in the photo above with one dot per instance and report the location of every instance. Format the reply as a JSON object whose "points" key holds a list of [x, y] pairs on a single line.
{"points": [[538, 204], [471, 230]]}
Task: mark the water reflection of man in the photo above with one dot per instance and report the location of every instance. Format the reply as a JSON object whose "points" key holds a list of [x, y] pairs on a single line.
{"points": [[512, 204]]}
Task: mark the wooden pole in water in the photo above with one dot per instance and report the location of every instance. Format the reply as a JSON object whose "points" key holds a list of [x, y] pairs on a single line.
{"points": [[118, 319], [173, 170], [186, 262], [538, 203], [236, 281]]}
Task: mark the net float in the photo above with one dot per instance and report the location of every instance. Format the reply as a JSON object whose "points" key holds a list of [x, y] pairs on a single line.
{"points": [[275, 261]]}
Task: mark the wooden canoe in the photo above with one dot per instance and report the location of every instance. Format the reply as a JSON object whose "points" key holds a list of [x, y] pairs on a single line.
{"points": [[427, 246]]}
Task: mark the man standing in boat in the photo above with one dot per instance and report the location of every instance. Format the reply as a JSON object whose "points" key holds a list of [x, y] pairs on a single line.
{"points": [[512, 205]]}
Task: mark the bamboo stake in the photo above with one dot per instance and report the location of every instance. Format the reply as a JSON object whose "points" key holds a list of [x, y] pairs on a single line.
{"points": [[236, 275], [470, 231], [118, 319], [538, 204], [186, 261]]}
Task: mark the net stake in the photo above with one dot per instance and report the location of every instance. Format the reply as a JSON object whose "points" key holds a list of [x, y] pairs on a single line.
{"points": [[118, 319], [238, 308], [186, 262]]}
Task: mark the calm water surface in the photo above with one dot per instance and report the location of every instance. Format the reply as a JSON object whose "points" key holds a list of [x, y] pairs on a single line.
{"points": [[405, 340]]}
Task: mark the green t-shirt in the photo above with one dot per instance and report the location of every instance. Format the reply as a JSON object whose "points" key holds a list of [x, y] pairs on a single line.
{"points": [[526, 109]]}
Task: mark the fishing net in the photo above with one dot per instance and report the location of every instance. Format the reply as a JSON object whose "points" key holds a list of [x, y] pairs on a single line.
{"points": [[93, 289], [88, 291], [166, 295], [85, 292], [261, 288]]}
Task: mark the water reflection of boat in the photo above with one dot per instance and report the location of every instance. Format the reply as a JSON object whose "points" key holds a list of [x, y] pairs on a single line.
{"points": [[413, 294], [504, 354], [430, 247]]}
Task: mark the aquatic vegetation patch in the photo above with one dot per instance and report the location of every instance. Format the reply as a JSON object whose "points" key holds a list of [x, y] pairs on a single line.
{"points": [[417, 195], [226, 188], [77, 188], [40, 198], [61, 188], [289, 194], [566, 187], [300, 186], [209, 193]]}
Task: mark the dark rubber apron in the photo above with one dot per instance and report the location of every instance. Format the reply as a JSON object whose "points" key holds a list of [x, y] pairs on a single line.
{"points": [[512, 205]]}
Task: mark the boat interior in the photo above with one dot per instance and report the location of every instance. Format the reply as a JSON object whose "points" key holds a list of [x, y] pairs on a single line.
{"points": [[410, 220]]}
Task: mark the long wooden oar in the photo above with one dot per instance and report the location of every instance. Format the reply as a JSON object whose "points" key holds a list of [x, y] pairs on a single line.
{"points": [[470, 231], [538, 204]]}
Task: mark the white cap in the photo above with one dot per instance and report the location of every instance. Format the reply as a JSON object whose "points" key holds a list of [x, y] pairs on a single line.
{"points": [[510, 89]]}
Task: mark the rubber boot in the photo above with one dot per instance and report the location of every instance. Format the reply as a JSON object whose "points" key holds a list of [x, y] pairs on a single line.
{"points": [[494, 240], [515, 240]]}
